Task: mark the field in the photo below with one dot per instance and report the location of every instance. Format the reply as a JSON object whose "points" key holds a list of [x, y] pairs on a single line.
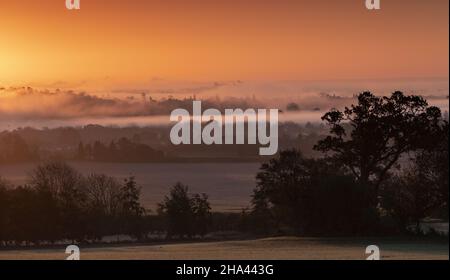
{"points": [[269, 248]]}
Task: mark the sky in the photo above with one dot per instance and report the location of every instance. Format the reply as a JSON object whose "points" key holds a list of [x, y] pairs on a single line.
{"points": [[140, 41]]}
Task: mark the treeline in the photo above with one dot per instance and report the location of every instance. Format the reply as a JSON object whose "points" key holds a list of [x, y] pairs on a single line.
{"points": [[138, 144], [123, 150], [13, 149], [59, 204]]}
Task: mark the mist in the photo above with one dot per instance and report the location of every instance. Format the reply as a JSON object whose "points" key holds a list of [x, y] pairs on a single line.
{"points": [[151, 103]]}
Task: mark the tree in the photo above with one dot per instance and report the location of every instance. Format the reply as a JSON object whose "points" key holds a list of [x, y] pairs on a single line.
{"points": [[369, 138], [4, 207], [202, 214], [24, 223], [105, 193], [131, 210], [408, 199], [61, 186], [311, 197], [292, 107], [186, 215], [100, 151], [81, 153], [177, 208], [56, 177], [432, 167], [280, 187], [102, 204], [421, 190]]}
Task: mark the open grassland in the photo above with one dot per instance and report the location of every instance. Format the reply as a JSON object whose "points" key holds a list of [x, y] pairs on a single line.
{"points": [[267, 249]]}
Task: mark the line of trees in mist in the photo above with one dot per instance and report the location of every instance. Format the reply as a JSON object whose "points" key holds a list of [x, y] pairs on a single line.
{"points": [[60, 204], [123, 150], [384, 169], [97, 143], [138, 144], [14, 149]]}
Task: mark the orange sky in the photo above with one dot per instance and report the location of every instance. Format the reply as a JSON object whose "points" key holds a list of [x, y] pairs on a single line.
{"points": [[135, 40]]}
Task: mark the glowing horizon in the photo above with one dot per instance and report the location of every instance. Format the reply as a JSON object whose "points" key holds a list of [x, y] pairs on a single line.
{"points": [[134, 41]]}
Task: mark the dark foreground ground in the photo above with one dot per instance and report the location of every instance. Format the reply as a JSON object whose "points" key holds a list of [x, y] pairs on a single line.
{"points": [[259, 249]]}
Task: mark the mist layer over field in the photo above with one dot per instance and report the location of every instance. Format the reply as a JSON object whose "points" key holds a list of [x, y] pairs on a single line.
{"points": [[151, 103]]}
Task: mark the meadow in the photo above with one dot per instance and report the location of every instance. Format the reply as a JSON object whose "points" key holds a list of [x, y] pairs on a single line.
{"points": [[277, 248]]}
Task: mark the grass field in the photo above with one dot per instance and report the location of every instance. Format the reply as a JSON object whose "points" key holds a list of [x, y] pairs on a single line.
{"points": [[260, 249]]}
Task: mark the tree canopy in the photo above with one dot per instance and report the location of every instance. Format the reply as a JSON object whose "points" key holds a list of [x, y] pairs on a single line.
{"points": [[369, 138]]}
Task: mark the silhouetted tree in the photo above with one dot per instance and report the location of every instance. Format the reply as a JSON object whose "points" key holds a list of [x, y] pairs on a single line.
{"points": [[311, 196], [279, 187], [177, 208], [261, 219], [100, 151], [421, 190], [112, 150], [202, 214], [131, 210], [4, 207], [408, 199], [102, 204], [186, 215], [60, 184], [370, 137], [24, 225], [432, 166], [88, 152], [292, 107], [81, 153]]}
